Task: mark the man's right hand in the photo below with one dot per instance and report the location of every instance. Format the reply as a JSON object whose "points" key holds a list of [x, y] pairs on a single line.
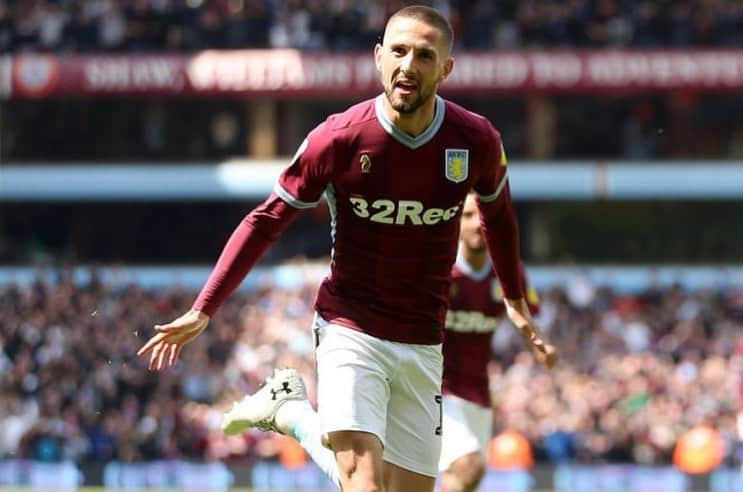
{"points": [[166, 345]]}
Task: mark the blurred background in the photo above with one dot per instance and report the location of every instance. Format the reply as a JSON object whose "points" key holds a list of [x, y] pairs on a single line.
{"points": [[134, 136]]}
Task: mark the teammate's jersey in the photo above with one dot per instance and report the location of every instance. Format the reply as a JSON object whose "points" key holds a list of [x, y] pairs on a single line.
{"points": [[475, 310], [395, 202]]}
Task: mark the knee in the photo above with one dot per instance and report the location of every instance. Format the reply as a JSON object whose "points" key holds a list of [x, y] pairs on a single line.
{"points": [[359, 457], [359, 479]]}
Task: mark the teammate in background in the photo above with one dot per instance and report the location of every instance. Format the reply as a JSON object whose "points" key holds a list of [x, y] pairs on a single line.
{"points": [[475, 310], [395, 170]]}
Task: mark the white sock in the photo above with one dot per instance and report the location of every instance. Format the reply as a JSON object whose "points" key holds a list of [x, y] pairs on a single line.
{"points": [[297, 418]]}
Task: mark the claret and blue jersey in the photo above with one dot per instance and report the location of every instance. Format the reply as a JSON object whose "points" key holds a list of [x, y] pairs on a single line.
{"points": [[395, 202]]}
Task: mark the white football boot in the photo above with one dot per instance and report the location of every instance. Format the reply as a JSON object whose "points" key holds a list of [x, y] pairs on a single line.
{"points": [[259, 409]]}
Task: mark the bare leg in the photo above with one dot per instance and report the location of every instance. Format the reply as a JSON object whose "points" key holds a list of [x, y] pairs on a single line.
{"points": [[359, 457], [398, 479], [465, 474]]}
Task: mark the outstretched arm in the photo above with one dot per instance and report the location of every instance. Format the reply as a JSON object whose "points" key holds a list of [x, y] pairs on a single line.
{"points": [[252, 237]]}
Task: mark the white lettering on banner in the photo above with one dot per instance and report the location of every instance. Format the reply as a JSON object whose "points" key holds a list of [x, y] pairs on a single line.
{"points": [[283, 71], [328, 72], [722, 68], [557, 70], [366, 73], [268, 71], [500, 71], [510, 71], [117, 74], [665, 69], [245, 71]]}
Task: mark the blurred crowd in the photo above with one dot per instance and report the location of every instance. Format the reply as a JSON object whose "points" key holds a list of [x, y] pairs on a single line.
{"points": [[184, 25], [636, 371]]}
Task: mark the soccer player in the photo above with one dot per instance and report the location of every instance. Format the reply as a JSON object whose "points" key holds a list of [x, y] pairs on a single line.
{"points": [[395, 171], [475, 310]]}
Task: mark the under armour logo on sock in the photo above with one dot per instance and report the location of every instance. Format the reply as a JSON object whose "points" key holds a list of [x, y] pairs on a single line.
{"points": [[284, 387]]}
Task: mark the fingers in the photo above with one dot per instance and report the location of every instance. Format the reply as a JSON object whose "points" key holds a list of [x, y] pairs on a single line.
{"points": [[547, 355], [151, 343], [551, 355], [155, 356], [163, 354], [165, 346], [158, 348], [175, 349]]}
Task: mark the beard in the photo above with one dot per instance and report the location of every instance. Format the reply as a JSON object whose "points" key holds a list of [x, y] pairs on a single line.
{"points": [[407, 106], [478, 247], [475, 243]]}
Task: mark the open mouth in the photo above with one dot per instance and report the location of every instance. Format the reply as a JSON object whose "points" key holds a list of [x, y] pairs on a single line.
{"points": [[406, 86]]}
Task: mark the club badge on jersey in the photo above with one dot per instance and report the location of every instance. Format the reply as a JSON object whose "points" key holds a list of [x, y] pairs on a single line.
{"points": [[457, 165]]}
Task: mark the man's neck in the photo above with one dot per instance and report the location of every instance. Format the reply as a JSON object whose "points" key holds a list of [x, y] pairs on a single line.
{"points": [[413, 123], [475, 259]]}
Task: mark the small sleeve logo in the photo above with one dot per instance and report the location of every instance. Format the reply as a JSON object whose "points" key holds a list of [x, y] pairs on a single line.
{"points": [[365, 162]]}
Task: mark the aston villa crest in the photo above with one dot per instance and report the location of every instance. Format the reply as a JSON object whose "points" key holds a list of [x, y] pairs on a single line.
{"points": [[456, 165]]}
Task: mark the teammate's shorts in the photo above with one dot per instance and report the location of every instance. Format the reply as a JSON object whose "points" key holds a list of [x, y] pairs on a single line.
{"points": [[389, 389], [467, 429]]}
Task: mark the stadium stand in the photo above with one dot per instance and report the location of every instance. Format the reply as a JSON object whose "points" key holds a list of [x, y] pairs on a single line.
{"points": [[589, 88], [640, 369]]}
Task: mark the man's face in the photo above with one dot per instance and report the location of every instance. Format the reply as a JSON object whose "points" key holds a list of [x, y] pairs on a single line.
{"points": [[412, 60], [469, 230]]}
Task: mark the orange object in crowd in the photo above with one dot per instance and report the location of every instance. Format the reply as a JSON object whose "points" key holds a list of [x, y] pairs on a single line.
{"points": [[699, 450], [510, 450], [291, 454]]}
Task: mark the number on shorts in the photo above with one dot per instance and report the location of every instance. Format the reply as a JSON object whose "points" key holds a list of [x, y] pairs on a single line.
{"points": [[441, 414]]}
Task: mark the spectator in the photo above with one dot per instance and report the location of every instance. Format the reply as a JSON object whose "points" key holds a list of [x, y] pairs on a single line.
{"points": [[638, 370]]}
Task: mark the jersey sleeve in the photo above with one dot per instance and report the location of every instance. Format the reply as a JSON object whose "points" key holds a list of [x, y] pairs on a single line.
{"points": [[493, 177], [498, 219], [303, 182]]}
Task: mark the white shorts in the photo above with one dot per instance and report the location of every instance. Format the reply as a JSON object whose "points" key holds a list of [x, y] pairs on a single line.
{"points": [[467, 429], [389, 389]]}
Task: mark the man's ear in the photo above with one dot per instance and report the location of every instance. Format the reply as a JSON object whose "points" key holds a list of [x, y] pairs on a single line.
{"points": [[378, 56], [448, 66]]}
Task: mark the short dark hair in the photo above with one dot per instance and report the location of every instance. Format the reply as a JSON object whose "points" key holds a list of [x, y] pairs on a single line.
{"points": [[430, 16]]}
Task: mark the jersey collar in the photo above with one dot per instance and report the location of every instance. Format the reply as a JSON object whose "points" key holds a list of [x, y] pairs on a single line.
{"points": [[401, 136], [467, 269]]}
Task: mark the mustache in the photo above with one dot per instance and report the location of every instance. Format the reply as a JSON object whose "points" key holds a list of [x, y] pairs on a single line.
{"points": [[407, 77]]}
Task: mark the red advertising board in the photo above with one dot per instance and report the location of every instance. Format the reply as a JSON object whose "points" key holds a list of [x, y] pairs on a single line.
{"points": [[289, 73]]}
